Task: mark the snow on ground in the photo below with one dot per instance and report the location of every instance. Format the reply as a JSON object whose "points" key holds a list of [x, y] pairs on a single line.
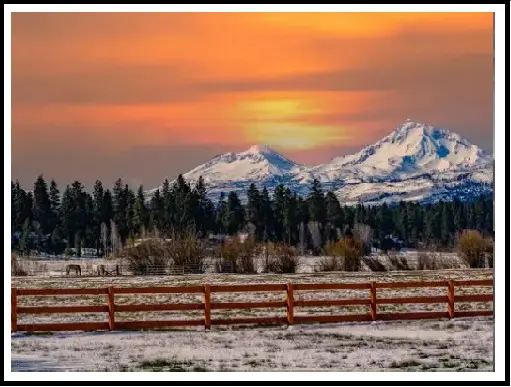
{"points": [[457, 345], [306, 264]]}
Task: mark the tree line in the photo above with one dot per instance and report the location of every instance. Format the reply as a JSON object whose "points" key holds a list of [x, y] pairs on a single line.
{"points": [[48, 220]]}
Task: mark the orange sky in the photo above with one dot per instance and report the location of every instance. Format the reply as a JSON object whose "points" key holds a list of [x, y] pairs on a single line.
{"points": [[145, 96]]}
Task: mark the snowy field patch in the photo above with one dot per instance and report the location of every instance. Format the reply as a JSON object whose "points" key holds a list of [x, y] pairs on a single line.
{"points": [[457, 345]]}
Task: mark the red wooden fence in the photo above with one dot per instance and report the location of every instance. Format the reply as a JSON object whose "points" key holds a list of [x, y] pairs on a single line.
{"points": [[289, 303]]}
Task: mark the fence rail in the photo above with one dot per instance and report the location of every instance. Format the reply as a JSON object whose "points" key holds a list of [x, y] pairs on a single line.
{"points": [[289, 303]]}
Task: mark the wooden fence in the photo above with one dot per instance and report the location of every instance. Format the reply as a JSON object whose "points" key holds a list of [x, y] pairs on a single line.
{"points": [[289, 303]]}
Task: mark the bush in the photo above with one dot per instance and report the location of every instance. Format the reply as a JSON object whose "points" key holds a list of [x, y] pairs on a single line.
{"points": [[364, 234], [16, 269], [333, 260], [239, 255], [331, 263], [281, 258], [399, 263], [149, 257], [351, 249], [426, 262], [472, 248], [489, 252], [374, 264], [187, 250]]}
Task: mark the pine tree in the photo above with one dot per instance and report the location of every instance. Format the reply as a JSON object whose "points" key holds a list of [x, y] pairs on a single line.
{"points": [[41, 208], [334, 216], [167, 196], [234, 214], [253, 211], [54, 205], [184, 205], [157, 214], [66, 216], [290, 220], [107, 209], [130, 208], [97, 212], [120, 204], [268, 221], [140, 212], [317, 203], [203, 208], [25, 243], [220, 214], [279, 203]]}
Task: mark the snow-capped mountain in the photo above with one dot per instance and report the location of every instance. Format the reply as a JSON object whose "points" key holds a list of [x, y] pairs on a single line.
{"points": [[415, 162]]}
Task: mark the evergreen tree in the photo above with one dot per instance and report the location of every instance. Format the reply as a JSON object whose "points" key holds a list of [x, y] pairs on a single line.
{"points": [[279, 203], [317, 203], [267, 216], [120, 207], [220, 214], [140, 212], [290, 219], [41, 208], [234, 214], [253, 211], [204, 209], [97, 212], [66, 216], [157, 211], [54, 205], [25, 243], [168, 207], [334, 215], [184, 205]]}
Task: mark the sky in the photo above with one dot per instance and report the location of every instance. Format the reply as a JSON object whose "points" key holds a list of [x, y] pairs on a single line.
{"points": [[143, 96]]}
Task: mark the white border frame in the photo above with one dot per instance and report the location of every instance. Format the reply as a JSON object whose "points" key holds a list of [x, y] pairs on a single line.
{"points": [[500, 201]]}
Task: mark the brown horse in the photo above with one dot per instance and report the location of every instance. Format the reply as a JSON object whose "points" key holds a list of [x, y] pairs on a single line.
{"points": [[76, 268]]}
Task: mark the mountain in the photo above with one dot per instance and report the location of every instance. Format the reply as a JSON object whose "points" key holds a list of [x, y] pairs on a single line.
{"points": [[415, 162]]}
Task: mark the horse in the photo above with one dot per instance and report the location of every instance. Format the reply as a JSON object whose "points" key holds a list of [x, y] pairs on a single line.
{"points": [[101, 270], [76, 268]]}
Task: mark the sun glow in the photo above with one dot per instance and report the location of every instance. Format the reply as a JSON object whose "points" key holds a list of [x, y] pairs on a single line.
{"points": [[286, 123]]}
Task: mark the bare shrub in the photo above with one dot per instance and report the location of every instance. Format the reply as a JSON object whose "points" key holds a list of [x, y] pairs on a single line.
{"points": [[331, 263], [350, 249], [374, 264], [240, 255], [149, 257], [186, 250], [364, 234], [315, 232], [398, 263], [472, 247], [426, 261], [489, 252], [16, 269], [333, 260], [281, 258]]}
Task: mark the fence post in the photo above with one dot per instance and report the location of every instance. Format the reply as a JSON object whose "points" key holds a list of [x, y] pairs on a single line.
{"points": [[111, 309], [207, 307], [14, 309], [373, 301], [290, 301], [450, 298]]}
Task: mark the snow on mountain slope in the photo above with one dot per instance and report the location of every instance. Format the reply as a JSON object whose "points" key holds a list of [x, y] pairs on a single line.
{"points": [[412, 149], [415, 162], [258, 164]]}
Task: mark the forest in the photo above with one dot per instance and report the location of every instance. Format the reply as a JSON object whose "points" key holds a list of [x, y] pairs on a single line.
{"points": [[52, 220]]}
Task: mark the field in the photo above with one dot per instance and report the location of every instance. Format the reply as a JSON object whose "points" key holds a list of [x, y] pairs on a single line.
{"points": [[460, 344]]}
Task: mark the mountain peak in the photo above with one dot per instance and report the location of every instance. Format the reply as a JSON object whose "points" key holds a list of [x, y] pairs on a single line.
{"points": [[259, 149]]}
